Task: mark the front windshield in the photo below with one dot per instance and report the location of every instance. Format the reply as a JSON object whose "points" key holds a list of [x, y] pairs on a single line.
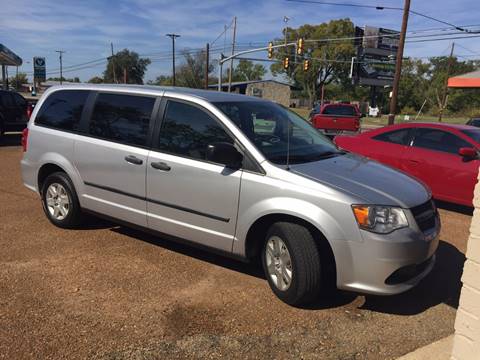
{"points": [[266, 124], [474, 134]]}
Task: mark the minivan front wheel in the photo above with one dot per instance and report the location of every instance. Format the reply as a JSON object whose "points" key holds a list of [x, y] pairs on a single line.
{"points": [[291, 262], [60, 202]]}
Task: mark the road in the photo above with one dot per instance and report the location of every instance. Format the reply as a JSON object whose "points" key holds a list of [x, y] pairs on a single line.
{"points": [[108, 292]]}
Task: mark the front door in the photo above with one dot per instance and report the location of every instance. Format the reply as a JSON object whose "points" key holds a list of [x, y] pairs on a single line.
{"points": [[434, 159], [188, 196]]}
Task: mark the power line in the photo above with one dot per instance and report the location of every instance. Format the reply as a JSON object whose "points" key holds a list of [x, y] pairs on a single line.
{"points": [[381, 7]]}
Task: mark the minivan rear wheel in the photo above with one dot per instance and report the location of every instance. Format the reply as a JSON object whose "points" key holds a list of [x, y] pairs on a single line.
{"points": [[291, 263], [60, 201]]}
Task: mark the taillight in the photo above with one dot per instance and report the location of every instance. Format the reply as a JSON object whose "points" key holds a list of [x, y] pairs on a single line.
{"points": [[24, 139], [29, 110]]}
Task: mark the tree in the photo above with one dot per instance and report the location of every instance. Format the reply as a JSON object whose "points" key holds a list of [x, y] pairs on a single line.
{"points": [[330, 61], [128, 61], [18, 80], [96, 80], [191, 73], [246, 70]]}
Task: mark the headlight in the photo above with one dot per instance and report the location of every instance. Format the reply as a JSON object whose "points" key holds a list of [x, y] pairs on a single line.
{"points": [[379, 219]]}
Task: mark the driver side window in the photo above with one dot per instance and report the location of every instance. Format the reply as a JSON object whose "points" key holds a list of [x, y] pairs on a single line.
{"points": [[187, 131]]}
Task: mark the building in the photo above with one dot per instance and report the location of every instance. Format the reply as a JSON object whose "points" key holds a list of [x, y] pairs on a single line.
{"points": [[273, 90]]}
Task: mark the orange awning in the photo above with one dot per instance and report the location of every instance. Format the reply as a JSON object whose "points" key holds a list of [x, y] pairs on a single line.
{"points": [[469, 80]]}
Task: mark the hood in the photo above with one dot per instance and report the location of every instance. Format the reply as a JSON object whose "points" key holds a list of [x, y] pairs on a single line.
{"points": [[367, 179]]}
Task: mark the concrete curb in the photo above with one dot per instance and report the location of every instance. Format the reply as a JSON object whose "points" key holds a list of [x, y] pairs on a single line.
{"points": [[439, 350]]}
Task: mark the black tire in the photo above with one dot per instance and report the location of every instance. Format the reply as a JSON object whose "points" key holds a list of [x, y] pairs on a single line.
{"points": [[306, 279], [2, 130], [74, 215]]}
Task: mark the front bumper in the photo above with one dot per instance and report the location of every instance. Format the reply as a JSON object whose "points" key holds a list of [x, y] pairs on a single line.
{"points": [[387, 264]]}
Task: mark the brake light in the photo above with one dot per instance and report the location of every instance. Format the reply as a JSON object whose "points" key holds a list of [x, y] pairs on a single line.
{"points": [[29, 110], [24, 139]]}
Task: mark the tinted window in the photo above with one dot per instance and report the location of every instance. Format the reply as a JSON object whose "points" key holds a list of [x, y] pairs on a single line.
{"points": [[7, 99], [187, 130], [438, 140], [62, 110], [474, 122], [19, 101], [400, 137], [340, 110], [122, 118], [473, 134]]}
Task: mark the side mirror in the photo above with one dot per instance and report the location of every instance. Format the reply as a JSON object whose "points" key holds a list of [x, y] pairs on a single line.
{"points": [[467, 152], [224, 153]]}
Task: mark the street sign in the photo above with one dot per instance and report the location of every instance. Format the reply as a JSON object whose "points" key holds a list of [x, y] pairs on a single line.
{"points": [[375, 70], [39, 71], [380, 38], [376, 52]]}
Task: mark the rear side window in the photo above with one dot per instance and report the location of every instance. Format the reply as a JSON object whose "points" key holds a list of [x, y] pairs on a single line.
{"points": [[399, 137], [20, 101], [122, 118], [187, 131], [439, 140], [340, 110], [62, 110]]}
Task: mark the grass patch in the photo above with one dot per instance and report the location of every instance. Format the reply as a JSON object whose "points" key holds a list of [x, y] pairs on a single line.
{"points": [[399, 119]]}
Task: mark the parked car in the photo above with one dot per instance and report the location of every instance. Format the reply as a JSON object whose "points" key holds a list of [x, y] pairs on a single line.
{"points": [[333, 119], [443, 156], [13, 112], [474, 121], [239, 175]]}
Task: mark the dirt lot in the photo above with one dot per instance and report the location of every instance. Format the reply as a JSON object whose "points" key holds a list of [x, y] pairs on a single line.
{"points": [[108, 292]]}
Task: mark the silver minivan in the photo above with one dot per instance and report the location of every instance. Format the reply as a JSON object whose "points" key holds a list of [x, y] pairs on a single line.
{"points": [[239, 175]]}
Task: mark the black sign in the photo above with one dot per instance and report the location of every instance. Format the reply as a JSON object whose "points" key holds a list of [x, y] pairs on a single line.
{"points": [[39, 70], [376, 52]]}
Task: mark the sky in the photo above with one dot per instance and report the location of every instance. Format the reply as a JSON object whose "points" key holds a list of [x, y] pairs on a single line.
{"points": [[85, 29]]}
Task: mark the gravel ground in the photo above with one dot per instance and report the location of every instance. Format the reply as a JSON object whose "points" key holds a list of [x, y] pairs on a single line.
{"points": [[108, 292]]}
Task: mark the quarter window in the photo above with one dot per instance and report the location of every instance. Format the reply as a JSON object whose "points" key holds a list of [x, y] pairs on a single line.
{"points": [[187, 131], [62, 110], [399, 137], [438, 140], [122, 118]]}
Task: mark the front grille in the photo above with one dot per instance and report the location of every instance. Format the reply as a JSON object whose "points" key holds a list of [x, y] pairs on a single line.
{"points": [[425, 215]]}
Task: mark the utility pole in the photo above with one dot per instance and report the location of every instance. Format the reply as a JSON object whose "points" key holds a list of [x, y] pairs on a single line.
{"points": [[124, 75], [61, 64], [113, 64], [445, 89], [398, 64], [207, 56], [173, 37], [233, 52]]}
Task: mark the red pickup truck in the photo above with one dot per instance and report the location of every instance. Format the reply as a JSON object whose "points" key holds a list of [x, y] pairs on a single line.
{"points": [[333, 119]]}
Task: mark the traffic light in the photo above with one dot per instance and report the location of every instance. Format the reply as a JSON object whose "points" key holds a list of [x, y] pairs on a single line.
{"points": [[306, 64], [270, 50], [286, 62], [300, 46]]}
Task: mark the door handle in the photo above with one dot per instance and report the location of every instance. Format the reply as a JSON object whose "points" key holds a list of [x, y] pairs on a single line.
{"points": [[415, 162], [133, 160], [160, 166]]}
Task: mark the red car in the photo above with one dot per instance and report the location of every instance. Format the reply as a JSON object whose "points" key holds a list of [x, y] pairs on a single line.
{"points": [[443, 156]]}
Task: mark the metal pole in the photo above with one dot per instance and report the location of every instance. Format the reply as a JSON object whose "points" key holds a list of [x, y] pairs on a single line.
{"points": [[220, 65], [233, 52], [61, 64], [207, 55], [173, 37], [445, 89], [3, 78], [398, 65], [113, 64]]}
